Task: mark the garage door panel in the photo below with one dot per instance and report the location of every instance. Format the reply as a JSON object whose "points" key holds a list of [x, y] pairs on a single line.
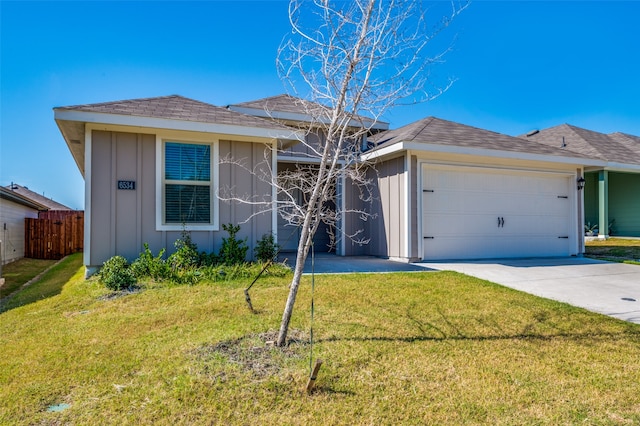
{"points": [[440, 225], [463, 209], [444, 201], [476, 247]]}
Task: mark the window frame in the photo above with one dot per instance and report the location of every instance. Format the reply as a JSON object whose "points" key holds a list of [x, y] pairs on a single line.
{"points": [[161, 182]]}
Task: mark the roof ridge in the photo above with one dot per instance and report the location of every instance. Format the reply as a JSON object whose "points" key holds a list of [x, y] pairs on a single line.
{"points": [[576, 130], [625, 135], [267, 98], [428, 121], [122, 101]]}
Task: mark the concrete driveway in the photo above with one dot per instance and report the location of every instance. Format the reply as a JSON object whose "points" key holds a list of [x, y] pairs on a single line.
{"points": [[608, 288]]}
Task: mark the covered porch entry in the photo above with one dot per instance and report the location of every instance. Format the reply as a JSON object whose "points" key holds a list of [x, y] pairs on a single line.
{"points": [[612, 203], [324, 241]]}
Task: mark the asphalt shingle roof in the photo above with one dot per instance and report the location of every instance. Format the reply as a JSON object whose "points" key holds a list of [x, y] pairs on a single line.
{"points": [[11, 195], [37, 198], [293, 105], [279, 103], [176, 107], [615, 147], [432, 130]]}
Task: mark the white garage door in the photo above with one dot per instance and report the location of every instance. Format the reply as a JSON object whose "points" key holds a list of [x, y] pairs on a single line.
{"points": [[476, 213]]}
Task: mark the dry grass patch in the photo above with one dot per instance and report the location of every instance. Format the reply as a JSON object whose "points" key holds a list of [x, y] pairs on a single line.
{"points": [[417, 348]]}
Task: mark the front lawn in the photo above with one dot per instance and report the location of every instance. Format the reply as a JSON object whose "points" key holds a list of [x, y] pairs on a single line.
{"points": [[614, 249], [21, 271], [412, 348]]}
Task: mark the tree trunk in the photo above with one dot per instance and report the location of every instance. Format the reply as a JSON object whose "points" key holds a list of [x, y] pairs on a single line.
{"points": [[303, 250]]}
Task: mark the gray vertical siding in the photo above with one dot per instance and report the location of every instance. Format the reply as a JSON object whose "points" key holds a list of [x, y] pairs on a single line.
{"points": [[303, 150], [100, 209], [146, 192], [242, 183], [387, 230], [127, 229], [123, 220], [353, 222]]}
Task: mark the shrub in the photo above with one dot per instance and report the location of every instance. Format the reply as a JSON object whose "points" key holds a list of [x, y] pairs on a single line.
{"points": [[146, 265], [188, 276], [208, 259], [186, 255], [116, 274], [266, 249], [233, 251]]}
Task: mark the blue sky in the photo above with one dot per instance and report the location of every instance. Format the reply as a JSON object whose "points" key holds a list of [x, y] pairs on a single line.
{"points": [[519, 66]]}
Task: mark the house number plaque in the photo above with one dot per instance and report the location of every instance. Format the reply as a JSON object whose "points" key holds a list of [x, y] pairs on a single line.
{"points": [[126, 184]]}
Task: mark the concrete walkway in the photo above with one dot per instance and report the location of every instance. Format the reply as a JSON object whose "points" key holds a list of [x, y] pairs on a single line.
{"points": [[326, 263], [608, 288]]}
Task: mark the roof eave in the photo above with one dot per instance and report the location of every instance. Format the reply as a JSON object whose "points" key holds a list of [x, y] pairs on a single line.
{"points": [[173, 124], [19, 199], [75, 148], [622, 167], [397, 147]]}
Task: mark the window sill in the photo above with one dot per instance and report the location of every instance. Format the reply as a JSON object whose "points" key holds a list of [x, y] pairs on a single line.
{"points": [[188, 227]]}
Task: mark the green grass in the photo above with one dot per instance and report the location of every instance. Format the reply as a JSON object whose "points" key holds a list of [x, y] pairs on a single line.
{"points": [[49, 284], [413, 348], [614, 250], [21, 271]]}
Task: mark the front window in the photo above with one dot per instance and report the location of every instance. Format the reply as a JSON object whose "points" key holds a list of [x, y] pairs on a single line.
{"points": [[187, 186]]}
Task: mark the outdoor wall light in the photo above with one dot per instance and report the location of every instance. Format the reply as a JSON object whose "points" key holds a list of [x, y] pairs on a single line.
{"points": [[580, 183]]}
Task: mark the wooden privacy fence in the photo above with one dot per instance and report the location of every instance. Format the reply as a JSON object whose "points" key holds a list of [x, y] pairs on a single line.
{"points": [[54, 235]]}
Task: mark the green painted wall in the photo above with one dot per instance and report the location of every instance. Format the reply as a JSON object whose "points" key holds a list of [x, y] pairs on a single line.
{"points": [[624, 202]]}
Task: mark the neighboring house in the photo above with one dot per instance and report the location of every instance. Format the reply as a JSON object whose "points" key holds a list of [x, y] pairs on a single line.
{"points": [[612, 187], [155, 167], [38, 198], [14, 208]]}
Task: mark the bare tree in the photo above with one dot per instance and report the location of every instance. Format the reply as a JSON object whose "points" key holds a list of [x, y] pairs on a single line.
{"points": [[349, 60]]}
